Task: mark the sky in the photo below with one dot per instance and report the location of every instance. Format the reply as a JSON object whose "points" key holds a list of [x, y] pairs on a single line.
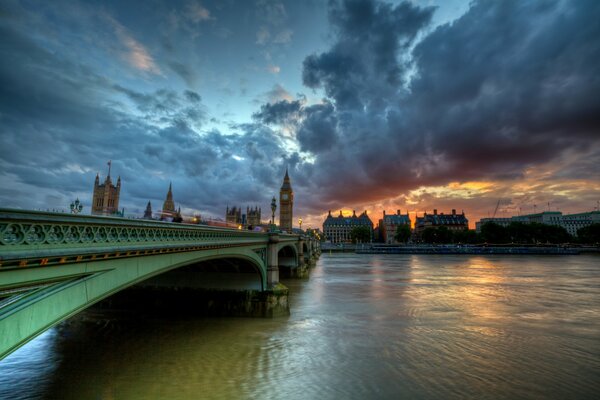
{"points": [[371, 105]]}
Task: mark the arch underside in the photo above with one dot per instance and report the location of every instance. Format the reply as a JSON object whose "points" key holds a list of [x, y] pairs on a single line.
{"points": [[49, 295], [287, 256]]}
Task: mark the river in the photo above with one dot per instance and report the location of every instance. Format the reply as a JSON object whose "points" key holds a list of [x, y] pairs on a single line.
{"points": [[362, 327]]}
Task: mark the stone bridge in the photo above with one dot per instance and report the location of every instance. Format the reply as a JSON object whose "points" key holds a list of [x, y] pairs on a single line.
{"points": [[53, 266]]}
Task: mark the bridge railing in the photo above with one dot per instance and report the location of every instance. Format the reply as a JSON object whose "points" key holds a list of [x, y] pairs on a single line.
{"points": [[32, 238]]}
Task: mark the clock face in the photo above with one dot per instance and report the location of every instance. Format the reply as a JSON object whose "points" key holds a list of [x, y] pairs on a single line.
{"points": [[284, 196]]}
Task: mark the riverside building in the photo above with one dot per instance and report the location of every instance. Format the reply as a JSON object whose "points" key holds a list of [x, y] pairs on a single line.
{"points": [[390, 223], [571, 222], [337, 229], [453, 221]]}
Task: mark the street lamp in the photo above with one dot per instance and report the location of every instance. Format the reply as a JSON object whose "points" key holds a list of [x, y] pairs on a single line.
{"points": [[76, 206], [300, 223], [273, 208]]}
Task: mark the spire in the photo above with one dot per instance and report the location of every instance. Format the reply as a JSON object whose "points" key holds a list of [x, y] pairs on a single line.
{"points": [[97, 178], [286, 181], [169, 205], [109, 165], [148, 212]]}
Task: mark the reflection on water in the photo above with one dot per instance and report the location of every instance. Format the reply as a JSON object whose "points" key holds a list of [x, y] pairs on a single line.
{"points": [[362, 326]]}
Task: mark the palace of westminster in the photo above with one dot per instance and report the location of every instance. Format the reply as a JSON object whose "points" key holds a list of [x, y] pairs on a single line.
{"points": [[105, 201], [336, 229]]}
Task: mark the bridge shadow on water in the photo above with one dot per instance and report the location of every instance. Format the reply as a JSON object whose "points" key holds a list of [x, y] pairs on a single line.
{"points": [[223, 287]]}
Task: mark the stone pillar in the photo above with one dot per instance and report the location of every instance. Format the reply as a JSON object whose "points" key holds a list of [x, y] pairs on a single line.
{"points": [[272, 261], [301, 252]]}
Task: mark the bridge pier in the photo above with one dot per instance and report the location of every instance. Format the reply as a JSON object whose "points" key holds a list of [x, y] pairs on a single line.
{"points": [[272, 261]]}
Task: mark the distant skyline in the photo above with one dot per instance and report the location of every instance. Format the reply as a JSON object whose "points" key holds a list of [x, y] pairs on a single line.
{"points": [[371, 105]]}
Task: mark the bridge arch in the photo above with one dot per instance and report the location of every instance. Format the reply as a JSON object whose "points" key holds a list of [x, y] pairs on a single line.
{"points": [[231, 272], [63, 291], [287, 255]]}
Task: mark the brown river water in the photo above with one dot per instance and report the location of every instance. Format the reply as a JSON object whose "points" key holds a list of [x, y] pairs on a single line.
{"points": [[362, 327]]}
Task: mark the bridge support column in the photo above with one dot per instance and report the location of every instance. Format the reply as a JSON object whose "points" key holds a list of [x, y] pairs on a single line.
{"points": [[272, 261]]}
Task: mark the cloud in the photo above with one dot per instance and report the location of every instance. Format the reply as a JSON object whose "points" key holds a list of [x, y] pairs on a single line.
{"points": [[273, 16], [186, 73], [500, 104], [285, 36], [273, 69], [485, 97], [136, 54], [262, 35], [197, 13], [277, 93], [318, 132], [279, 112], [55, 105]]}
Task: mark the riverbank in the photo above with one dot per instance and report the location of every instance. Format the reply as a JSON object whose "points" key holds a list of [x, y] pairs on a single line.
{"points": [[534, 250], [459, 249]]}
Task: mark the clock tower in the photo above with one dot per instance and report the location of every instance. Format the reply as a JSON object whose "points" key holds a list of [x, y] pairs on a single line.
{"points": [[286, 204]]}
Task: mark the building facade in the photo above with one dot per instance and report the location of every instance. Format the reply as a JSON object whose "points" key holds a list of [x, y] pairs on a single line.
{"points": [[574, 222], [286, 204], [338, 229], [253, 217], [233, 215], [571, 222], [390, 223], [105, 198], [453, 221]]}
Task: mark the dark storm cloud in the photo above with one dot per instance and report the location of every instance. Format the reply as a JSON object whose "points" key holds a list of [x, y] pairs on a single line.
{"points": [[364, 67], [318, 132], [164, 105], [62, 121], [508, 85], [279, 112]]}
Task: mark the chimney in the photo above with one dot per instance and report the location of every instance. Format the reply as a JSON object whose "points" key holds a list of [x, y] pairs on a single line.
{"points": [[398, 212], [453, 211], [384, 213], [435, 211]]}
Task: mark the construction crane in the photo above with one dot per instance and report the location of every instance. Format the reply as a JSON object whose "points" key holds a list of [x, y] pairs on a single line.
{"points": [[496, 209]]}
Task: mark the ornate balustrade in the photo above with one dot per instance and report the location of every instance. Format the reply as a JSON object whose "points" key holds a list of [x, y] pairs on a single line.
{"points": [[30, 238]]}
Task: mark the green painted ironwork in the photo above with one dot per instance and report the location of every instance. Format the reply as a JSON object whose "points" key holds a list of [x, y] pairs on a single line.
{"points": [[52, 265]]}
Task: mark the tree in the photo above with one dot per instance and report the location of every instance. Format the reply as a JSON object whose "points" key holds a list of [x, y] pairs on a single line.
{"points": [[466, 236], [402, 233], [494, 233], [360, 234], [437, 235], [589, 234]]}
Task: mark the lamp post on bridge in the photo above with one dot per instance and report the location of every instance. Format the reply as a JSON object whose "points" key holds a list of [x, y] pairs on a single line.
{"points": [[76, 206], [300, 223], [273, 208]]}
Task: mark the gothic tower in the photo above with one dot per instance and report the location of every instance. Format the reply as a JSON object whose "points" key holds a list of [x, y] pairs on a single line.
{"points": [[286, 204], [148, 212], [168, 210], [105, 200]]}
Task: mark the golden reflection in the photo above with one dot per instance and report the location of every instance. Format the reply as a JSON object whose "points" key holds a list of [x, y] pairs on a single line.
{"points": [[476, 290]]}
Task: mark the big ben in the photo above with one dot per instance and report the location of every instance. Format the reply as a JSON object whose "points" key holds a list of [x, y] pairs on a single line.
{"points": [[286, 204]]}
